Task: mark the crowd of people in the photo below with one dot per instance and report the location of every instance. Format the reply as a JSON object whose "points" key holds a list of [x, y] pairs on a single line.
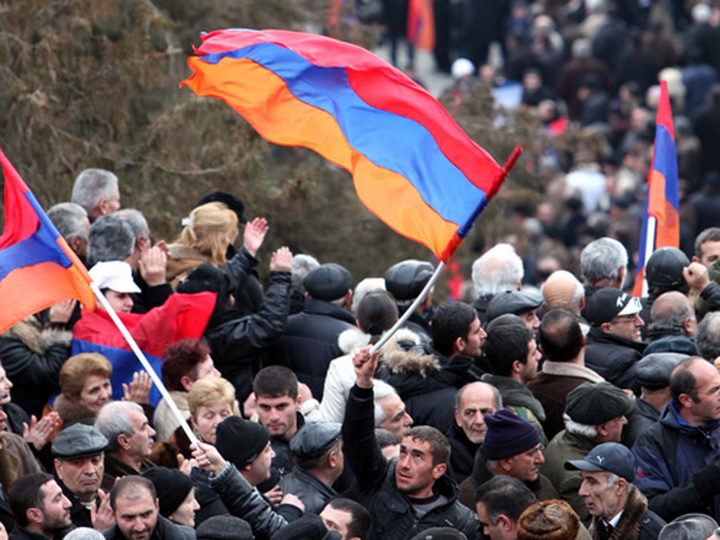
{"points": [[550, 403], [562, 409]]}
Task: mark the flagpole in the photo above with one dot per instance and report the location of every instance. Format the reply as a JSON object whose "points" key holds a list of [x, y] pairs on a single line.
{"points": [[144, 361], [387, 335]]}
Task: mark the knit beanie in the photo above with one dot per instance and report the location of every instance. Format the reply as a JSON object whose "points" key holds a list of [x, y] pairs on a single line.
{"points": [[240, 441], [171, 486], [508, 435]]}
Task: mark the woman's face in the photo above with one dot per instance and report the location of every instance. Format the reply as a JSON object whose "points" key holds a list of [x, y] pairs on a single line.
{"points": [[120, 302], [207, 419], [95, 393], [185, 513]]}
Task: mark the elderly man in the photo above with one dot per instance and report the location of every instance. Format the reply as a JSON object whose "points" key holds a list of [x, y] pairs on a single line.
{"points": [[595, 413], [96, 190], [78, 451], [672, 314], [614, 343], [72, 223], [562, 290], [137, 516], [498, 269], [618, 508], [410, 493], [473, 402], [130, 438], [40, 508], [317, 450], [511, 447], [677, 469], [603, 263]]}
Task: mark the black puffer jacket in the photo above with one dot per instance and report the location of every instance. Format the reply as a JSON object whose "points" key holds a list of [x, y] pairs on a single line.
{"points": [[393, 517], [310, 342], [614, 358]]}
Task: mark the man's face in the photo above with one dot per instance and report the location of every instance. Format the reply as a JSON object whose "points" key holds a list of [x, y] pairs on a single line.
{"points": [[707, 392], [55, 508], [397, 420], [497, 531], [710, 252], [528, 370], [415, 473], [530, 319], [472, 345], [601, 499], [525, 466], [142, 439], [336, 520], [278, 415], [82, 476], [626, 326], [476, 401], [137, 517], [5, 386], [259, 470], [614, 429]]}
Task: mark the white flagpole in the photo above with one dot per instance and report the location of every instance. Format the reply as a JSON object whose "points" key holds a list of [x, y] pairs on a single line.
{"points": [[144, 361], [649, 248], [411, 309]]}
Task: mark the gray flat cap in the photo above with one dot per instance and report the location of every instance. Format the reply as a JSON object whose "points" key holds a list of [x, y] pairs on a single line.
{"points": [[78, 440], [653, 371], [328, 282], [515, 302], [315, 438]]}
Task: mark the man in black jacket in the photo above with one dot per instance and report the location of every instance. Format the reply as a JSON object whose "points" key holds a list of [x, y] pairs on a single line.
{"points": [[411, 493], [39, 506], [310, 340], [614, 343]]}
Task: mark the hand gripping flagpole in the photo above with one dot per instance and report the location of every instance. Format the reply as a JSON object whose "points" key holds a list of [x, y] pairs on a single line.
{"points": [[141, 356]]}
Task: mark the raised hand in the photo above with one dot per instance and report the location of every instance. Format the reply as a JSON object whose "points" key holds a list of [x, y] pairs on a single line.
{"points": [[365, 364], [254, 235], [281, 260], [38, 433], [152, 264], [139, 388]]}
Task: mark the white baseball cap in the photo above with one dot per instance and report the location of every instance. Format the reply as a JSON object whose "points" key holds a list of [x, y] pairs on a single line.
{"points": [[114, 275]]}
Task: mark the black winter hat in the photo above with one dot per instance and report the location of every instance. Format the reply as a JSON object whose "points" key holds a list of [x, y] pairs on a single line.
{"points": [[240, 441], [593, 404], [328, 282], [406, 279], [172, 487], [664, 270], [224, 526], [233, 202], [508, 435]]}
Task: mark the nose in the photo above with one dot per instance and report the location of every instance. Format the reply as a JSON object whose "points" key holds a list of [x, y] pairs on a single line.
{"points": [[151, 431], [408, 420], [215, 373], [539, 458], [582, 491], [639, 321]]}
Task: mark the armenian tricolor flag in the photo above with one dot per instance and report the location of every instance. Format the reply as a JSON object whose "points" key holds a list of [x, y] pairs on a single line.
{"points": [[661, 219], [412, 165]]}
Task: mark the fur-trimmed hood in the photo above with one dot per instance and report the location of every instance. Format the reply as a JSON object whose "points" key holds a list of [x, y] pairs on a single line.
{"points": [[403, 353], [352, 340], [36, 338]]}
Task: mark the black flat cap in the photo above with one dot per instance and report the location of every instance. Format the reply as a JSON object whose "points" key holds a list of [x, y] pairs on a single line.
{"points": [[328, 282], [593, 404], [224, 526], [653, 371], [664, 269], [78, 440], [515, 302], [405, 280], [314, 439], [233, 202], [308, 527], [673, 344]]}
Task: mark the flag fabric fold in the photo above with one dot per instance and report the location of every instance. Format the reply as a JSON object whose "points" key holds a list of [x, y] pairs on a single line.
{"points": [[181, 316], [661, 218], [412, 165], [37, 267]]}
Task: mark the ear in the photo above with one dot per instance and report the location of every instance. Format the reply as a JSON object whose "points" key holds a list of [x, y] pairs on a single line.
{"points": [[505, 464], [439, 470], [457, 418], [685, 400], [582, 336], [504, 522], [299, 401], [516, 366], [458, 344], [582, 302], [605, 327], [123, 442], [186, 382], [35, 515]]}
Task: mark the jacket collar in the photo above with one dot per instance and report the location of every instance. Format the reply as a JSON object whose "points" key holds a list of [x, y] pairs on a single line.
{"points": [[313, 306], [566, 369]]}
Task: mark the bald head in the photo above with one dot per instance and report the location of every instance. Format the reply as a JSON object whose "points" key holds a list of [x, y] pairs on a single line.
{"points": [[474, 401], [563, 290], [673, 312]]}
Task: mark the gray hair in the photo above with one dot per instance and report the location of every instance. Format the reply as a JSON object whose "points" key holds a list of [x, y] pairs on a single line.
{"points": [[111, 239], [70, 220], [498, 269], [707, 337], [84, 533], [114, 419], [92, 186], [137, 221], [365, 286], [381, 390], [602, 260]]}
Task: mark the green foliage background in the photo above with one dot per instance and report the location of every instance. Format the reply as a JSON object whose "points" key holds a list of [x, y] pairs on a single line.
{"points": [[94, 83]]}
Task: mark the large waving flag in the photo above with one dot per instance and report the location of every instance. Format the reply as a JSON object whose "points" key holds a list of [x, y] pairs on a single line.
{"points": [[412, 165], [661, 219], [181, 316], [37, 267]]}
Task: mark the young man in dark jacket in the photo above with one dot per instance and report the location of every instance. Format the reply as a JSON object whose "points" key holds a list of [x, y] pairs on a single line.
{"points": [[411, 493]]}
